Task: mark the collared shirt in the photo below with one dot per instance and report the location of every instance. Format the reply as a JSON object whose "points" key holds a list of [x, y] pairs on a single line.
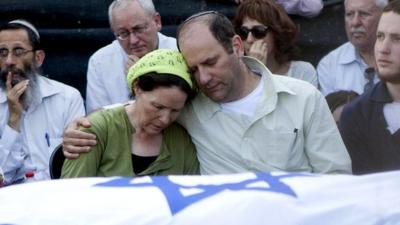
{"points": [[106, 78], [292, 130], [372, 146], [342, 69], [307, 8], [41, 130], [111, 156]]}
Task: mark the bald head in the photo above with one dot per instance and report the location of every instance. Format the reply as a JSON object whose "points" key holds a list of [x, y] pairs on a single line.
{"points": [[219, 26]]}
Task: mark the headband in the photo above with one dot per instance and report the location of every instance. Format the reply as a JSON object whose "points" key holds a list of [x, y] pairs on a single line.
{"points": [[166, 61]]}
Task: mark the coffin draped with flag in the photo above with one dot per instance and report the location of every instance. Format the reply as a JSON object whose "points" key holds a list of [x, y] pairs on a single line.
{"points": [[249, 198]]}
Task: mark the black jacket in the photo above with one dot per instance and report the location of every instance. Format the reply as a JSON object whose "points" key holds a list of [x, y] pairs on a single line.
{"points": [[363, 127]]}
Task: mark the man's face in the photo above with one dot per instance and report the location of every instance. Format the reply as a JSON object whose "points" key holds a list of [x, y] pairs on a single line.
{"points": [[361, 19], [141, 27], [387, 48], [209, 63], [20, 59]]}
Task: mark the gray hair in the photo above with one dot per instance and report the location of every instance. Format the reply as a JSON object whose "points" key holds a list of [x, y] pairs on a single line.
{"points": [[380, 3], [147, 5]]}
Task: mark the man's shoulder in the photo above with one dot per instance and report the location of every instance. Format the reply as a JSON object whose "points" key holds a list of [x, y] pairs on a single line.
{"points": [[297, 86], [111, 49], [51, 85], [296, 93], [166, 41], [339, 52], [357, 107]]}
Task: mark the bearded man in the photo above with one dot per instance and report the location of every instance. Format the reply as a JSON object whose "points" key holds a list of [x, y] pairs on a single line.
{"points": [[34, 110]]}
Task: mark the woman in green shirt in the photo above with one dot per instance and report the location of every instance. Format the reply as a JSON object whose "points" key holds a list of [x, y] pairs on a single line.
{"points": [[141, 138]]}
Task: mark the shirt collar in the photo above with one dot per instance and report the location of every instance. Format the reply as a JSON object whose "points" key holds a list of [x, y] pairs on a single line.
{"points": [[350, 55], [271, 85]]}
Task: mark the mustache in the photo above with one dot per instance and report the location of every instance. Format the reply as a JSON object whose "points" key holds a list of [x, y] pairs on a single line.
{"points": [[357, 30], [21, 74], [31, 96]]}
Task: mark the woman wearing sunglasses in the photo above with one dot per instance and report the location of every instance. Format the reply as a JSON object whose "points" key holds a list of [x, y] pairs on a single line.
{"points": [[270, 35]]}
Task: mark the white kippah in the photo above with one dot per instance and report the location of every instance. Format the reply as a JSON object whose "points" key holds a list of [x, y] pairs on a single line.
{"points": [[26, 24]]}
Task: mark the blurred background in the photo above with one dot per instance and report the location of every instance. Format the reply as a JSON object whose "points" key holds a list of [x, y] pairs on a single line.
{"points": [[71, 31]]}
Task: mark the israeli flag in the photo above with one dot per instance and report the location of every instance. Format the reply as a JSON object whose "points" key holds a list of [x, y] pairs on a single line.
{"points": [[249, 198]]}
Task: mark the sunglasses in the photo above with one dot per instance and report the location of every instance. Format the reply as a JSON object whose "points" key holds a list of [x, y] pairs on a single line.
{"points": [[258, 32]]}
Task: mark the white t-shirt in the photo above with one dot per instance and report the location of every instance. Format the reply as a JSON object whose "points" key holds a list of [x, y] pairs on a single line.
{"points": [[247, 105], [391, 111]]}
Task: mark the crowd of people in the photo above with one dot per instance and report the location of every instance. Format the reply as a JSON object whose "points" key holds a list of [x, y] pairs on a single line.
{"points": [[223, 97]]}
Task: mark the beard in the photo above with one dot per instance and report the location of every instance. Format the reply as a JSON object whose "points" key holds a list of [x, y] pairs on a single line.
{"points": [[31, 95]]}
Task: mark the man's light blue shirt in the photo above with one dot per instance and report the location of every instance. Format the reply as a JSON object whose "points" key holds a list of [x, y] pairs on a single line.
{"points": [[342, 69]]}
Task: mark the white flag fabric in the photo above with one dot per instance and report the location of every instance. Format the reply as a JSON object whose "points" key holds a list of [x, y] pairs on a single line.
{"points": [[249, 198]]}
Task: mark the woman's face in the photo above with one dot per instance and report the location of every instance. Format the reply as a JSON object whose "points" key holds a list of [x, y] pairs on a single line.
{"points": [[158, 108], [249, 41]]}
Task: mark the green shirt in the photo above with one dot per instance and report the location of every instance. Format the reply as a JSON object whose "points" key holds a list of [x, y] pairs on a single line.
{"points": [[111, 156]]}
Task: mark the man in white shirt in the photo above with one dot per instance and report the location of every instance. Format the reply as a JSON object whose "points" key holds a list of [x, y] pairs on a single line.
{"points": [[34, 110], [136, 26], [352, 65], [245, 118]]}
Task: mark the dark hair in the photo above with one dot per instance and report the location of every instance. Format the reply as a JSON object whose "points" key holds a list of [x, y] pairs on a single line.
{"points": [[338, 98], [219, 25], [269, 13], [153, 80], [393, 6], [34, 39]]}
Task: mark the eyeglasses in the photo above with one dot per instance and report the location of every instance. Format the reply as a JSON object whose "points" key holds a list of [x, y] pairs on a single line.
{"points": [[125, 34], [258, 31], [16, 52]]}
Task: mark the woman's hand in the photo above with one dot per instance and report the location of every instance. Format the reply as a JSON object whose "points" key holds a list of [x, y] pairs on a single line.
{"points": [[259, 50]]}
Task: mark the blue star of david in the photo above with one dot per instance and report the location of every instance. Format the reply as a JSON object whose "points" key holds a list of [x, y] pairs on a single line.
{"points": [[177, 201]]}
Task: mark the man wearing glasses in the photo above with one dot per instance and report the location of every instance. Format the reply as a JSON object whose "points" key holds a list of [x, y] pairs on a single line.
{"points": [[136, 26], [34, 110]]}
